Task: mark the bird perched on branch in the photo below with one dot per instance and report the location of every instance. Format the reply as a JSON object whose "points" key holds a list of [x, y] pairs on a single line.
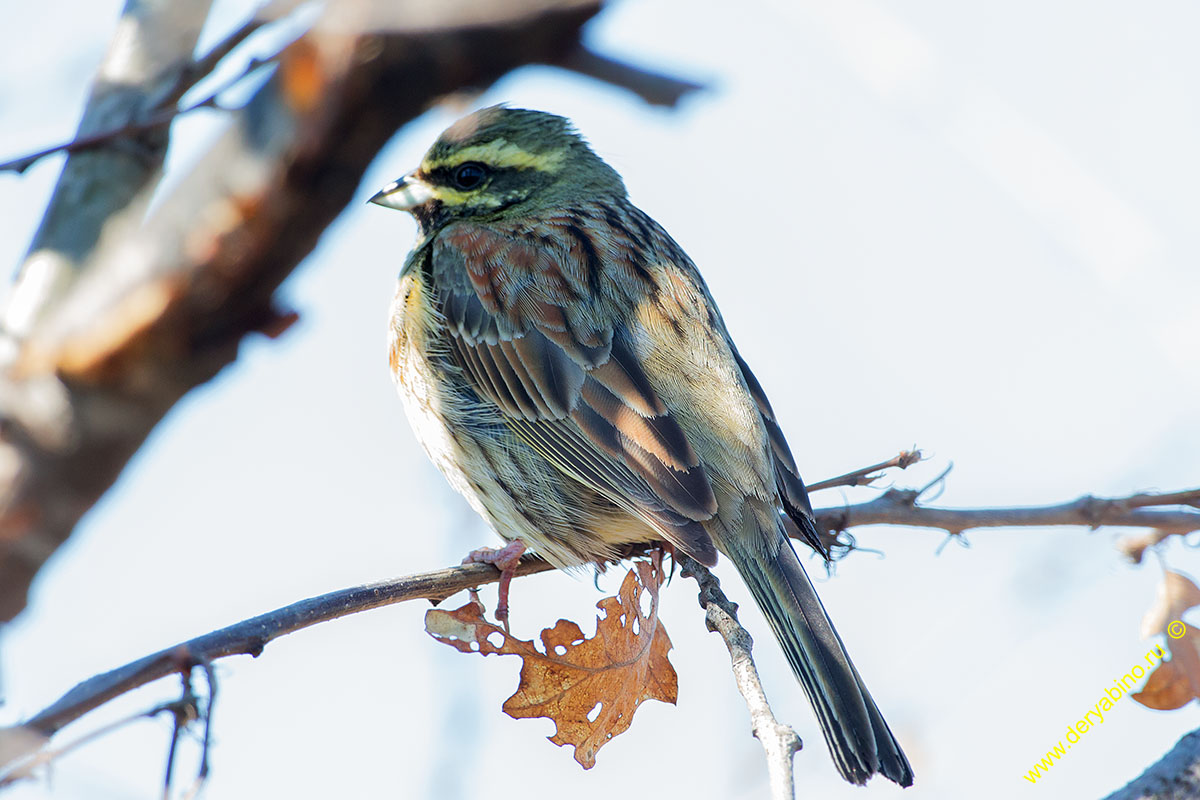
{"points": [[563, 363]]}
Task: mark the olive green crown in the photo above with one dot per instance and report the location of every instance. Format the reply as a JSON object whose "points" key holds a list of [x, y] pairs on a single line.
{"points": [[536, 140]]}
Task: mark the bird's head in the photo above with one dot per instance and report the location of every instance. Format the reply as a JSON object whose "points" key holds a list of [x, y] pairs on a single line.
{"points": [[497, 162]]}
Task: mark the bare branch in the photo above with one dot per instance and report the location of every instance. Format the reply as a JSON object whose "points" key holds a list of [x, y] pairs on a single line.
{"points": [[1187, 497], [248, 637], [900, 507], [183, 712], [897, 507], [210, 678], [166, 111], [779, 741], [24, 769], [158, 120], [203, 66], [1175, 776], [868, 475], [655, 88]]}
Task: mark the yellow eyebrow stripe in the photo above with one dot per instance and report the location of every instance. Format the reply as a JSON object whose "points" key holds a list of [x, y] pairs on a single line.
{"points": [[500, 153], [453, 197]]}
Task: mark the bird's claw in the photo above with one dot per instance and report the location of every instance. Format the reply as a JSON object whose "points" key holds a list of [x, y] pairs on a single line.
{"points": [[504, 559]]}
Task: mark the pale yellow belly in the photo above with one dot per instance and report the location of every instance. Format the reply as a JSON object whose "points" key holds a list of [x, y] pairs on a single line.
{"points": [[515, 490]]}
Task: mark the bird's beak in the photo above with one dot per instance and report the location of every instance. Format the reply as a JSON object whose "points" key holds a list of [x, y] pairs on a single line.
{"points": [[404, 194]]}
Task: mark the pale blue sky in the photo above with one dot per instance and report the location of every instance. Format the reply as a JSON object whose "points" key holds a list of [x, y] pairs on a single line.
{"points": [[963, 226]]}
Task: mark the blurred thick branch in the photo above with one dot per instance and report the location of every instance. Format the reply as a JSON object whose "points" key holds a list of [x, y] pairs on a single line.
{"points": [[146, 68], [161, 306], [1175, 776]]}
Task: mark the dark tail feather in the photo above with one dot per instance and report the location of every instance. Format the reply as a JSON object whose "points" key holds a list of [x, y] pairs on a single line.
{"points": [[859, 739]]}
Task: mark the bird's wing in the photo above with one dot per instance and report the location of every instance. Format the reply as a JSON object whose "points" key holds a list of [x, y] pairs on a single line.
{"points": [[536, 335], [787, 475]]}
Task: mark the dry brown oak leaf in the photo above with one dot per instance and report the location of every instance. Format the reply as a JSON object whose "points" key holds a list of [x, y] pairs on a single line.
{"points": [[589, 687], [1174, 683]]}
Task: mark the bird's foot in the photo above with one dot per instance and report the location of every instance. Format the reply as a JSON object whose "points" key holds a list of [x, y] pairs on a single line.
{"points": [[504, 559]]}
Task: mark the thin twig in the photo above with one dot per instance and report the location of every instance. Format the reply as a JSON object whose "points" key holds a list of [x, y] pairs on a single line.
{"points": [[868, 475], [79, 144], [899, 507], [1188, 497], [202, 67], [210, 678], [166, 109], [779, 741], [20, 770], [183, 712], [249, 637], [158, 119]]}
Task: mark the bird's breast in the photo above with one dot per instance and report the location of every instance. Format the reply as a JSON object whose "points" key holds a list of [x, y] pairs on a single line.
{"points": [[414, 345]]}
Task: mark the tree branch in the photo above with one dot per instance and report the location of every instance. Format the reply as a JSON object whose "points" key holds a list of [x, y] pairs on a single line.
{"points": [[779, 741], [165, 111], [204, 66], [900, 507], [864, 477], [897, 507], [46, 756], [1175, 776], [146, 62], [248, 637], [654, 88], [159, 119]]}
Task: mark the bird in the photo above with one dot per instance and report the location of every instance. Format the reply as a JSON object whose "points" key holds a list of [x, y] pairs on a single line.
{"points": [[564, 365]]}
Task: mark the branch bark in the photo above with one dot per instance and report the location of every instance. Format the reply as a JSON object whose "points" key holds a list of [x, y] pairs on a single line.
{"points": [[780, 742], [146, 64], [652, 87], [247, 637], [868, 475], [1175, 776], [901, 507]]}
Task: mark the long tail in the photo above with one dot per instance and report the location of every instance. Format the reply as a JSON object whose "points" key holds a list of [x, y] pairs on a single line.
{"points": [[860, 741]]}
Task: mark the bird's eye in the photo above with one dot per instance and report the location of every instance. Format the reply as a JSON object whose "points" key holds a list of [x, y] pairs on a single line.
{"points": [[469, 175]]}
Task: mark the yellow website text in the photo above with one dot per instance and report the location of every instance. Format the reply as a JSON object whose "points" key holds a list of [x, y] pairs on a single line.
{"points": [[1095, 715]]}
